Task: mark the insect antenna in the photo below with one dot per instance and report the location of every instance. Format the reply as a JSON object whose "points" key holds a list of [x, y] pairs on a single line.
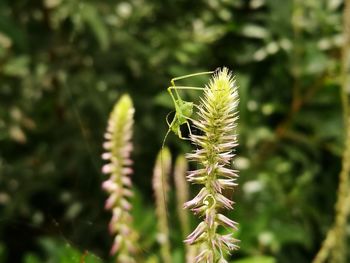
{"points": [[162, 163]]}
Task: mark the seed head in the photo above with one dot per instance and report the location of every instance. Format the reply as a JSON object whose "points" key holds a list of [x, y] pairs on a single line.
{"points": [[214, 154]]}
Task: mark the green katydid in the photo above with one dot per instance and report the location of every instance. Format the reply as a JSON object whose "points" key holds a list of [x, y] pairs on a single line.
{"points": [[183, 109], [183, 113]]}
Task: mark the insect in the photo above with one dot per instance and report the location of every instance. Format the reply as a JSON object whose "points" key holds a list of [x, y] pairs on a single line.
{"points": [[183, 109], [183, 113]]}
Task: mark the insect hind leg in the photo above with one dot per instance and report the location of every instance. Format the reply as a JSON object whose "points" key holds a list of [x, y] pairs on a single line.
{"points": [[189, 76], [188, 127], [179, 133]]}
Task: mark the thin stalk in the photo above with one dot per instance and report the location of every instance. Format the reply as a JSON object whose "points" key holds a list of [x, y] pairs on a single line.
{"points": [[160, 186], [334, 244]]}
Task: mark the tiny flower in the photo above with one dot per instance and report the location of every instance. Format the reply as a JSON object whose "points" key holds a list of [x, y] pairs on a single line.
{"points": [[109, 186], [196, 233], [107, 168], [226, 221], [106, 156]]}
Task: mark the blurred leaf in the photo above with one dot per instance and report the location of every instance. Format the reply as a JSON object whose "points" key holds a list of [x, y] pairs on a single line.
{"points": [[254, 31], [17, 134], [91, 16], [163, 99], [30, 258], [60, 252], [2, 253], [17, 67]]}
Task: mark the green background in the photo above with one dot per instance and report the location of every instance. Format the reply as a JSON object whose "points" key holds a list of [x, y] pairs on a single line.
{"points": [[64, 63]]}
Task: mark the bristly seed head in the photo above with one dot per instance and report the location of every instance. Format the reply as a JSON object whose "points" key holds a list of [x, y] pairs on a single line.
{"points": [[218, 121]]}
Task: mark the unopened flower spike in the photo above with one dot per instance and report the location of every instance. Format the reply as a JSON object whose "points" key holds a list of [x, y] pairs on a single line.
{"points": [[161, 173], [182, 192], [218, 120], [118, 148], [182, 195]]}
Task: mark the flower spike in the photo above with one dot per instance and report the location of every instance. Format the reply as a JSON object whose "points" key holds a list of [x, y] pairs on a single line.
{"points": [[118, 148], [214, 153]]}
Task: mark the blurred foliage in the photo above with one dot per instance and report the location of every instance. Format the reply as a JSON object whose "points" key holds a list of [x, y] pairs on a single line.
{"points": [[58, 252], [63, 63]]}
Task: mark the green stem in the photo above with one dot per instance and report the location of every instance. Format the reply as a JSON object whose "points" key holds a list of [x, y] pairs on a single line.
{"points": [[335, 240]]}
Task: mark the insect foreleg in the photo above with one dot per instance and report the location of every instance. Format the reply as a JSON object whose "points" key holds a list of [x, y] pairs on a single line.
{"points": [[172, 97]]}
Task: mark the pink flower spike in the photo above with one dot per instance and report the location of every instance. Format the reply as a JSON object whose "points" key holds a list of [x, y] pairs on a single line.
{"points": [[118, 148]]}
